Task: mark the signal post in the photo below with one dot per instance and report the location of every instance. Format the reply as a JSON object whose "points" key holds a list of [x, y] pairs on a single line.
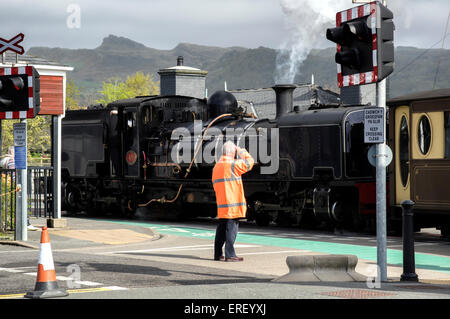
{"points": [[19, 99], [365, 54]]}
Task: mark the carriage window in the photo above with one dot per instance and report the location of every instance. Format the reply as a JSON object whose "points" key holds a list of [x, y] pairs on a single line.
{"points": [[447, 133], [404, 151], [424, 134]]}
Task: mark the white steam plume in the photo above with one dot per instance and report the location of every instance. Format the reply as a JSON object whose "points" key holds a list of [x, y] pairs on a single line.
{"points": [[306, 22]]}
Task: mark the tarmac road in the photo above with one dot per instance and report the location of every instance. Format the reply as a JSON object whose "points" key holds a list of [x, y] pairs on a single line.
{"points": [[141, 259]]}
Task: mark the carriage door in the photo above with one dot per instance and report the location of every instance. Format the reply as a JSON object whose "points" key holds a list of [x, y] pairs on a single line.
{"points": [[130, 142], [402, 154]]}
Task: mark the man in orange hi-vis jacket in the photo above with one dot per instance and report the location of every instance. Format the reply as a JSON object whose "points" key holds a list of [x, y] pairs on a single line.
{"points": [[231, 204]]}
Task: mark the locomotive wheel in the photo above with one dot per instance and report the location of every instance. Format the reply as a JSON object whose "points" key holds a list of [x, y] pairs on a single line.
{"points": [[445, 231], [284, 219], [72, 200], [262, 219], [168, 212], [306, 220], [352, 219], [337, 212], [357, 222], [96, 209]]}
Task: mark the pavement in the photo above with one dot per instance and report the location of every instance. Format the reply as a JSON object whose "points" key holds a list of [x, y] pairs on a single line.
{"points": [[97, 235]]}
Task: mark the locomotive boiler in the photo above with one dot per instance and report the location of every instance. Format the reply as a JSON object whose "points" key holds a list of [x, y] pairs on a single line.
{"points": [[157, 152]]}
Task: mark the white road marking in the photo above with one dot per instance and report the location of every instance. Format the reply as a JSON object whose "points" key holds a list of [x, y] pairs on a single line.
{"points": [[276, 252], [178, 248], [31, 273], [180, 230], [115, 288], [61, 278], [18, 251], [13, 270], [258, 233], [79, 282], [87, 283]]}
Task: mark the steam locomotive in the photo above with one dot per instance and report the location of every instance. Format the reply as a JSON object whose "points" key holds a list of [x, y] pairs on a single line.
{"points": [[158, 152]]}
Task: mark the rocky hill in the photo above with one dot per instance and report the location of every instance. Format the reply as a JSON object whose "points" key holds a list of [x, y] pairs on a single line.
{"points": [[240, 67]]}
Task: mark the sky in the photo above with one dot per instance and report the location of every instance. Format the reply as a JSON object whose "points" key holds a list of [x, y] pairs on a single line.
{"points": [[162, 24]]}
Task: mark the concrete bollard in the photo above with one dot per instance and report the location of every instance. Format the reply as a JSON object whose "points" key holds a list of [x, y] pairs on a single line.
{"points": [[328, 268], [56, 222]]}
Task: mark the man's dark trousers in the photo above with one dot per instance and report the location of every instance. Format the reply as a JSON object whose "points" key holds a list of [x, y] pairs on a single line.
{"points": [[226, 233]]}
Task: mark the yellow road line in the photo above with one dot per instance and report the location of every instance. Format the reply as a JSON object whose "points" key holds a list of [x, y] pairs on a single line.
{"points": [[72, 291], [79, 291], [11, 296]]}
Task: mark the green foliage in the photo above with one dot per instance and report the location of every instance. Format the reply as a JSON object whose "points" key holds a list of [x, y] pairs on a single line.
{"points": [[141, 84], [138, 84], [72, 96], [38, 134]]}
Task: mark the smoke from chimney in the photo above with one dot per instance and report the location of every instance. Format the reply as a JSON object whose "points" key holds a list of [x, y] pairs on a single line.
{"points": [[306, 23]]}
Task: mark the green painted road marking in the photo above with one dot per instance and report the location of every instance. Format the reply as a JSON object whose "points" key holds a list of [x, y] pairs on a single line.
{"points": [[394, 257]]}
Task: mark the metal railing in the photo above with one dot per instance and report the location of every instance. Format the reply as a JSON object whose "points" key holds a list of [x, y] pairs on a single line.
{"points": [[7, 199], [39, 193]]}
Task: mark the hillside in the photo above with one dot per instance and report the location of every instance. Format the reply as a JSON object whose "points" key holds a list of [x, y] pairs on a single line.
{"points": [[239, 67]]}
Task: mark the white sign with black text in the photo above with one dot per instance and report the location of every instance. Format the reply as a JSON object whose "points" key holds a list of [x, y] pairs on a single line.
{"points": [[374, 125], [20, 134]]}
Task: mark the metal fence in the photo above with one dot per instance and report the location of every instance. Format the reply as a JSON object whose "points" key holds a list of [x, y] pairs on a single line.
{"points": [[7, 198], [39, 191]]}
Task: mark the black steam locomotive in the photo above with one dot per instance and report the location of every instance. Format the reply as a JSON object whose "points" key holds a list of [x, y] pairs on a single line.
{"points": [[158, 152]]}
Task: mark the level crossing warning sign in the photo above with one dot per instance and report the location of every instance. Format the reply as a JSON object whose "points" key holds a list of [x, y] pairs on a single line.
{"points": [[374, 125], [12, 44]]}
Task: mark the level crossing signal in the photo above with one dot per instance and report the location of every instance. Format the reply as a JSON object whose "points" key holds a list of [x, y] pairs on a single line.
{"points": [[19, 92], [365, 49]]}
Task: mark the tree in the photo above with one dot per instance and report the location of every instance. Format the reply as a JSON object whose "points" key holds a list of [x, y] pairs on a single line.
{"points": [[138, 84], [72, 96], [38, 134]]}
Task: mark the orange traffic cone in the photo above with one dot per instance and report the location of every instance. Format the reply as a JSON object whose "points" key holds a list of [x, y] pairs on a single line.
{"points": [[46, 285]]}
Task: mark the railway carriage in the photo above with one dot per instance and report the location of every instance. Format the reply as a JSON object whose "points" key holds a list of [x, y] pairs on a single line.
{"points": [[420, 139]]}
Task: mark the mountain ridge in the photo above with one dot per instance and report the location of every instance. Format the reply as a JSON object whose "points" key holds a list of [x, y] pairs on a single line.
{"points": [[240, 67]]}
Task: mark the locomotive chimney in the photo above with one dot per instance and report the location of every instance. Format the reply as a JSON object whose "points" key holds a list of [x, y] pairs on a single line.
{"points": [[180, 61], [284, 98]]}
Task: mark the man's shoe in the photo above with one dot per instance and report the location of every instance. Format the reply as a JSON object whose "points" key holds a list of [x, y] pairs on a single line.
{"points": [[220, 258], [234, 259]]}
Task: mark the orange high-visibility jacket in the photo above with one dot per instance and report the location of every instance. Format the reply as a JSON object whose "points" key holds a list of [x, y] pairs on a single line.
{"points": [[227, 183]]}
